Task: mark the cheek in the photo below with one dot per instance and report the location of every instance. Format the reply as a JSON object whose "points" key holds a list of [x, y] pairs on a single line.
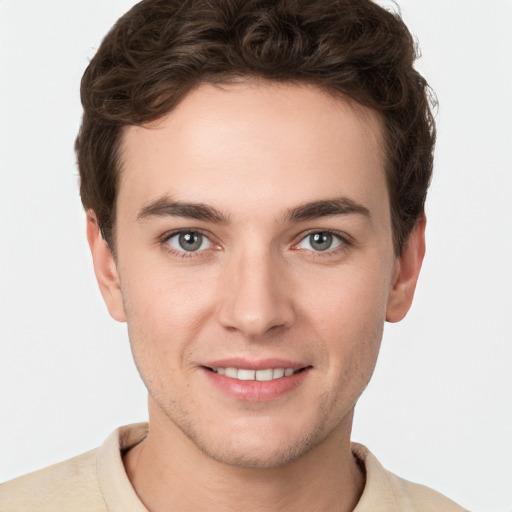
{"points": [[159, 318], [170, 305], [349, 301], [348, 316], [166, 314]]}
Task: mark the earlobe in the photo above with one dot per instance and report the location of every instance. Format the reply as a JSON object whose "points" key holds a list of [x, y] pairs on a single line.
{"points": [[105, 269], [407, 270]]}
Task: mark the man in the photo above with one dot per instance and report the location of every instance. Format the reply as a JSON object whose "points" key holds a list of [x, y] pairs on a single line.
{"points": [[254, 176]]}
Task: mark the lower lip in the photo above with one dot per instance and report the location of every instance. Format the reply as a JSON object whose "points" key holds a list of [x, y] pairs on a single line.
{"points": [[255, 390]]}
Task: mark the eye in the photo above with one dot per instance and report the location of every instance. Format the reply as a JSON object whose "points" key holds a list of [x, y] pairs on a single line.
{"points": [[320, 241], [189, 241]]}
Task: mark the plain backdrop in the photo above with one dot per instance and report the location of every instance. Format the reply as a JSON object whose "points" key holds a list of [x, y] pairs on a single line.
{"points": [[438, 409]]}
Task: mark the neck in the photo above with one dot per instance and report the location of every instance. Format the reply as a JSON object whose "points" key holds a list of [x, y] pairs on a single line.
{"points": [[169, 472]]}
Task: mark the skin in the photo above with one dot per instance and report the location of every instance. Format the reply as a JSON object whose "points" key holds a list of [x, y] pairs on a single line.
{"points": [[256, 289]]}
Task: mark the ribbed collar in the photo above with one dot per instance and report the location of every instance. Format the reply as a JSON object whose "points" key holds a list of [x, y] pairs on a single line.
{"points": [[117, 490], [120, 496]]}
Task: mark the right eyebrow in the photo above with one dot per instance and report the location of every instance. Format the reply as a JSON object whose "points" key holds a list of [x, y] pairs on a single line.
{"points": [[326, 208], [165, 206]]}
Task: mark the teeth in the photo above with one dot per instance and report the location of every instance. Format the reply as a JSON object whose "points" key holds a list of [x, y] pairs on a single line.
{"points": [[231, 372], [278, 373], [264, 374], [246, 374], [261, 375]]}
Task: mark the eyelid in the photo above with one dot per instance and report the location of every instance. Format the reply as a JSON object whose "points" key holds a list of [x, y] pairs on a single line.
{"points": [[174, 242], [164, 239], [173, 232], [345, 239]]}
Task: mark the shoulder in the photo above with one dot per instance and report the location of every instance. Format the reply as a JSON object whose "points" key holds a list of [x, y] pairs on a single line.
{"points": [[69, 485], [418, 497], [385, 491], [95, 481]]}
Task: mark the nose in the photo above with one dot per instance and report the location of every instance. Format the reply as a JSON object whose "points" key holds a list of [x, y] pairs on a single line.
{"points": [[257, 296]]}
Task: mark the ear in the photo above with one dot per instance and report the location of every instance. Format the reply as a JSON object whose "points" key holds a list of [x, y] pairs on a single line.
{"points": [[105, 269], [407, 270]]}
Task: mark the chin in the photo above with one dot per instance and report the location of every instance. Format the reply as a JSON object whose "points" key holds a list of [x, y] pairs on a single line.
{"points": [[246, 455], [257, 447]]}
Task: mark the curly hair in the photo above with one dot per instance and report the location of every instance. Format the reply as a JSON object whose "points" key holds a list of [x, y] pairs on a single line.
{"points": [[161, 49]]}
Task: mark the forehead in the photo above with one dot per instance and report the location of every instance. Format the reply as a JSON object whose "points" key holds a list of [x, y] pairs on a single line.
{"points": [[261, 143]]}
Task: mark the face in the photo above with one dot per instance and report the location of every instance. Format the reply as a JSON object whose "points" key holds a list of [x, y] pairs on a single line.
{"points": [[255, 267]]}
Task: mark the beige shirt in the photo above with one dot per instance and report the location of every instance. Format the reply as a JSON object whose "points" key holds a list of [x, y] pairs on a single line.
{"points": [[96, 481]]}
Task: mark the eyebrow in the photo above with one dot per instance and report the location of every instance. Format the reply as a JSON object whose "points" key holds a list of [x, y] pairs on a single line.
{"points": [[165, 206], [326, 208]]}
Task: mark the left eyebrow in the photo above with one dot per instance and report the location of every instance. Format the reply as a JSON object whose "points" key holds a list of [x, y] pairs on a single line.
{"points": [[326, 208], [165, 206]]}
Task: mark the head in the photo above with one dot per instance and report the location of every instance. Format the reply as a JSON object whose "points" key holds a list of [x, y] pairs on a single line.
{"points": [[161, 50], [258, 171]]}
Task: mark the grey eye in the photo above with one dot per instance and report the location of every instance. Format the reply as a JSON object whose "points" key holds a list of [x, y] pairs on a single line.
{"points": [[189, 241], [320, 241]]}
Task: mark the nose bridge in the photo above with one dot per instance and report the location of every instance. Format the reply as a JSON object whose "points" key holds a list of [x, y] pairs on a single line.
{"points": [[256, 297]]}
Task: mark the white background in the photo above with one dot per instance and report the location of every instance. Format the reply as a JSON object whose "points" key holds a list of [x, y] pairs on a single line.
{"points": [[438, 410]]}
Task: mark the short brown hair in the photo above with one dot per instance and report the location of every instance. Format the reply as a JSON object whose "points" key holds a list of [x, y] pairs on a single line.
{"points": [[161, 49]]}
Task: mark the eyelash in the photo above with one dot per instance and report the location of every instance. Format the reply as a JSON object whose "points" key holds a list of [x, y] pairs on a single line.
{"points": [[345, 242], [164, 239]]}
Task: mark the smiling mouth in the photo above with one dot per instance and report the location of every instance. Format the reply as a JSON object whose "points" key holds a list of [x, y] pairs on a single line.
{"points": [[266, 374]]}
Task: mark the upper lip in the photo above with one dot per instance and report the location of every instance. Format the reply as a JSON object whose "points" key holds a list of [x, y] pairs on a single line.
{"points": [[254, 364]]}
